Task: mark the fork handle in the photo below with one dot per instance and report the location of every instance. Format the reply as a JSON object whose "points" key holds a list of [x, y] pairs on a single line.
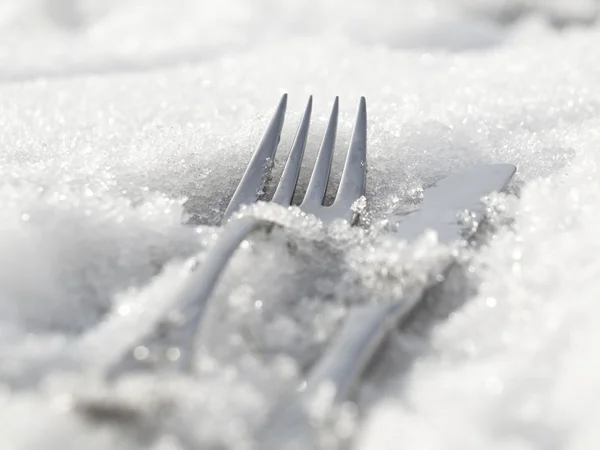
{"points": [[191, 301], [199, 285]]}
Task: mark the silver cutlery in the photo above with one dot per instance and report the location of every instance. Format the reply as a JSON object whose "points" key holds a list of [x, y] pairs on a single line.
{"points": [[365, 328]]}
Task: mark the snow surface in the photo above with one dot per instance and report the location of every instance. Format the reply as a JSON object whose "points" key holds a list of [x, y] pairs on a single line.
{"points": [[122, 120]]}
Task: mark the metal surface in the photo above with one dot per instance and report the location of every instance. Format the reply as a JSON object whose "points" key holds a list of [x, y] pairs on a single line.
{"points": [[446, 198], [253, 179]]}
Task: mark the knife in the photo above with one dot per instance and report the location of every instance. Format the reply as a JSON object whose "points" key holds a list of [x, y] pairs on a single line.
{"points": [[335, 376]]}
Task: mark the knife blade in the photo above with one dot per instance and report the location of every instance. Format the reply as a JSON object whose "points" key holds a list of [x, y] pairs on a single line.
{"points": [[458, 192]]}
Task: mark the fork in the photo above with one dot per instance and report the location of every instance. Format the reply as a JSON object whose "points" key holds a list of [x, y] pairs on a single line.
{"points": [[191, 303]]}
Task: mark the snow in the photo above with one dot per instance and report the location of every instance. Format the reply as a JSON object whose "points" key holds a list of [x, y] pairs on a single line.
{"points": [[125, 126]]}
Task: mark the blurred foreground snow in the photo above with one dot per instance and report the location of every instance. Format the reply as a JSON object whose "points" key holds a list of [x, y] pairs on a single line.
{"points": [[122, 119]]}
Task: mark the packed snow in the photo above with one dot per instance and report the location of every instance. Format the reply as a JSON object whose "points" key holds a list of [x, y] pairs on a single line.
{"points": [[125, 126]]}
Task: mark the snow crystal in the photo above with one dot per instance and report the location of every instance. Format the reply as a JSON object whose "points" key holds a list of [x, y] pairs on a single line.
{"points": [[125, 126]]}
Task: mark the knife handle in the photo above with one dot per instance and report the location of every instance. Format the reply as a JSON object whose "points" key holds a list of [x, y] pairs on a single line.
{"points": [[336, 374]]}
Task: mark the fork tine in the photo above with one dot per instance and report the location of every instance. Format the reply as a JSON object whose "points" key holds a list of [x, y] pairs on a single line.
{"points": [[287, 184], [315, 193], [354, 180], [248, 190]]}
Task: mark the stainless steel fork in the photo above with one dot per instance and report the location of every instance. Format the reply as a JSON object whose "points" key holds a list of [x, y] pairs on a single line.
{"points": [[191, 303]]}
